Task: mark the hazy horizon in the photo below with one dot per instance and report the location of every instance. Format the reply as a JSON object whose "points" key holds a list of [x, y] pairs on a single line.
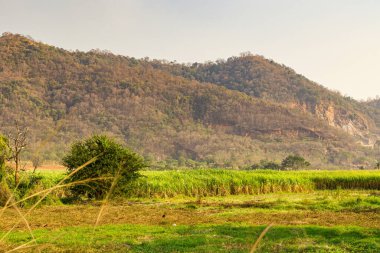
{"points": [[335, 44]]}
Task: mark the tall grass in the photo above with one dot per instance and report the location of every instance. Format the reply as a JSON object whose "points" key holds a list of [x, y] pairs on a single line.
{"points": [[210, 182]]}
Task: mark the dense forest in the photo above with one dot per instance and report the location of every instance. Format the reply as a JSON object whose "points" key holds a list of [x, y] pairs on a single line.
{"points": [[227, 113]]}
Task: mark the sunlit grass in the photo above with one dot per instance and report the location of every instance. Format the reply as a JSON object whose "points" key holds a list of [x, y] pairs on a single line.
{"points": [[205, 238], [228, 182]]}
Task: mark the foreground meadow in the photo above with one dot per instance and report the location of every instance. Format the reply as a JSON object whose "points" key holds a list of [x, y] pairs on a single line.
{"points": [[207, 211]]}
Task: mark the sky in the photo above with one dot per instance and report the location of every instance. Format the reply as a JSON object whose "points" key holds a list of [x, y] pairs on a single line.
{"points": [[335, 43]]}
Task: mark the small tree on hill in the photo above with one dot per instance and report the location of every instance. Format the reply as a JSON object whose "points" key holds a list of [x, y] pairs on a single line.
{"points": [[114, 160], [294, 162]]}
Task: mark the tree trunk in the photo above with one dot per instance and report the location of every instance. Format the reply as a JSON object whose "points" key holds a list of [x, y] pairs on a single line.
{"points": [[16, 171]]}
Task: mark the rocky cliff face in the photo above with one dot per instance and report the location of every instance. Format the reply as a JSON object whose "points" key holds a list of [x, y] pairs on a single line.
{"points": [[353, 123]]}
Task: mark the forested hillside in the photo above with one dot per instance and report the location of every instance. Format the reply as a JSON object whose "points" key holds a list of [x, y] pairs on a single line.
{"points": [[229, 113]]}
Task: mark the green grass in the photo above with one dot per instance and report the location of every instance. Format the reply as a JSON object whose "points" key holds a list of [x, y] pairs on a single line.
{"points": [[203, 238]]}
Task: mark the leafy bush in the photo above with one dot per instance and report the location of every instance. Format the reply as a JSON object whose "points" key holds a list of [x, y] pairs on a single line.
{"points": [[115, 162]]}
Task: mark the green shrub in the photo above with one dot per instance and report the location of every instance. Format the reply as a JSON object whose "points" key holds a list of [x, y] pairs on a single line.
{"points": [[114, 160]]}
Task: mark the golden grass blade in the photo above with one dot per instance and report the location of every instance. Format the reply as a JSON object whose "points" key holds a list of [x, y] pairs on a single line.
{"points": [[38, 193], [60, 186], [47, 192], [25, 221], [105, 201], [23, 246], [254, 247], [9, 199]]}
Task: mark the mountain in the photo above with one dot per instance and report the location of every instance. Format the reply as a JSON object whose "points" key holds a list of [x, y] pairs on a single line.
{"points": [[262, 78], [229, 113]]}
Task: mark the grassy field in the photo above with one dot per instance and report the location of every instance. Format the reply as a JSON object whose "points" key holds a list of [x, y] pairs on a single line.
{"points": [[209, 211]]}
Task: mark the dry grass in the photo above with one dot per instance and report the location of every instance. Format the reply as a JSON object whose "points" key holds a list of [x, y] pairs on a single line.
{"points": [[53, 217]]}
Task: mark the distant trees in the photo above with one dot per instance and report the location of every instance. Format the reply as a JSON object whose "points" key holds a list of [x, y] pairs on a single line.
{"points": [[291, 162], [265, 164], [295, 162], [115, 165]]}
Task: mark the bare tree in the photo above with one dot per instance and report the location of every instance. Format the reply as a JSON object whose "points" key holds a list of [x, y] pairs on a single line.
{"points": [[36, 161], [17, 143]]}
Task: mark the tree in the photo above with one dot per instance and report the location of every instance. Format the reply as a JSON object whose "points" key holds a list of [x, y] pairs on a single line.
{"points": [[17, 144], [378, 165], [294, 162], [114, 160]]}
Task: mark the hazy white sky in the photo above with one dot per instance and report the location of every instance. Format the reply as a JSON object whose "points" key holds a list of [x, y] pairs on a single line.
{"points": [[333, 42]]}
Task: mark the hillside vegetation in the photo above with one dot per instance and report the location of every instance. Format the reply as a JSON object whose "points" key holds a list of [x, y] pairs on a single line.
{"points": [[230, 113]]}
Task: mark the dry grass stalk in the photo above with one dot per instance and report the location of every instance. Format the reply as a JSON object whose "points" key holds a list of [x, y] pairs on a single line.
{"points": [[45, 194], [254, 247]]}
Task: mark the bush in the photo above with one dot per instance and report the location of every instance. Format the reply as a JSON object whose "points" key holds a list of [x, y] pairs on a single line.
{"points": [[115, 160], [294, 162]]}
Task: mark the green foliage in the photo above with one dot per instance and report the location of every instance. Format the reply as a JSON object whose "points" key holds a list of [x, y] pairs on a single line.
{"points": [[31, 183], [4, 149], [4, 153], [294, 162], [113, 160]]}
